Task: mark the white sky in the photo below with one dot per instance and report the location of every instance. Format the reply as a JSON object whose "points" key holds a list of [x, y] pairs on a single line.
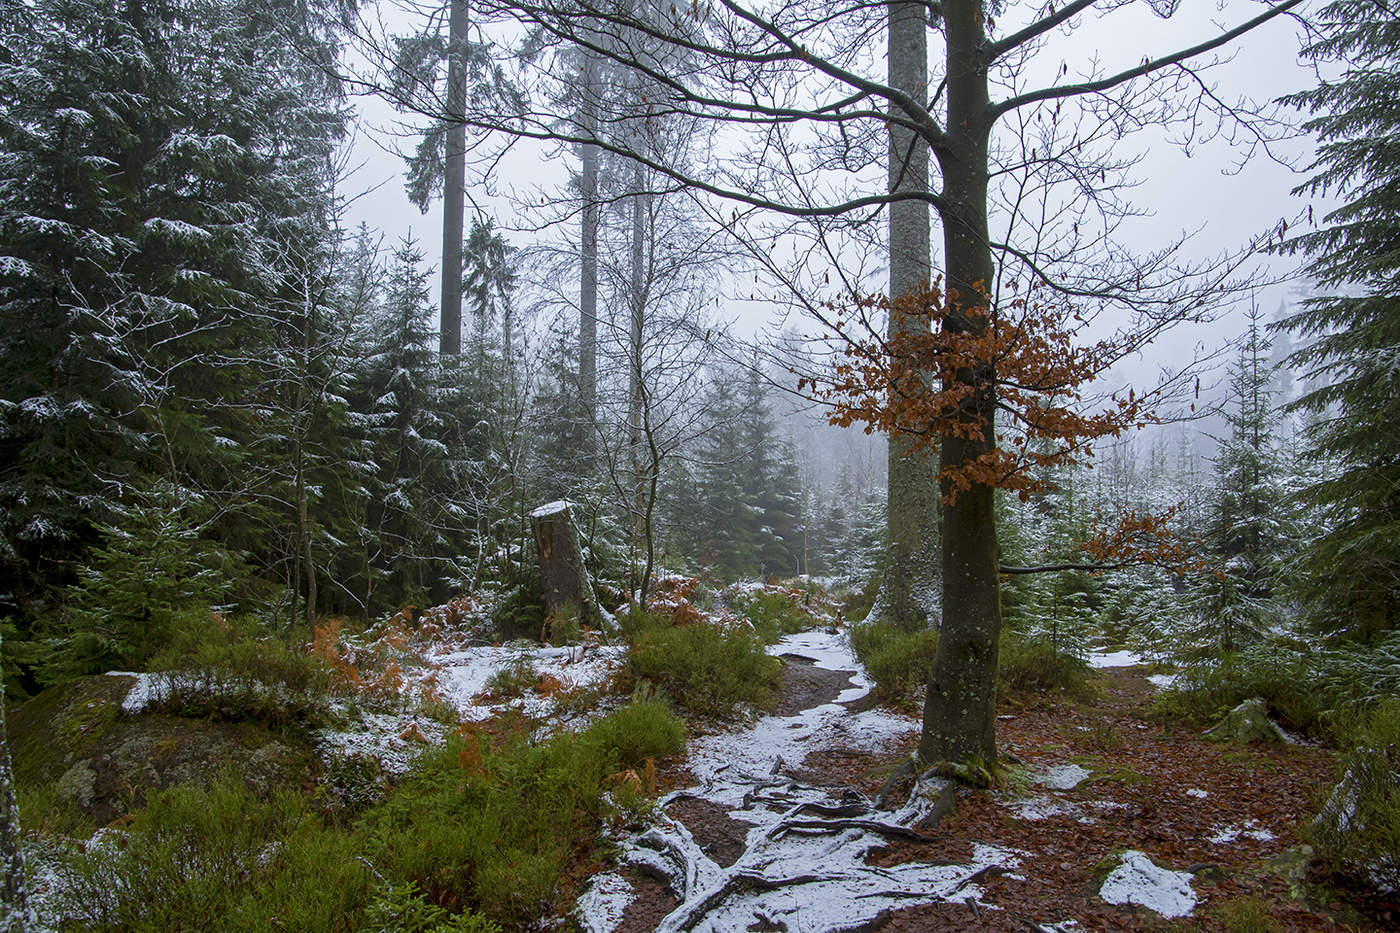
{"points": [[1184, 193]]}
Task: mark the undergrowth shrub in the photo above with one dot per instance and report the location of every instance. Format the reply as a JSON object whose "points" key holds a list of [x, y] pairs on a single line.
{"points": [[704, 668], [1358, 831], [219, 858], [897, 659], [774, 614], [1028, 665], [492, 823], [223, 669], [1202, 693]]}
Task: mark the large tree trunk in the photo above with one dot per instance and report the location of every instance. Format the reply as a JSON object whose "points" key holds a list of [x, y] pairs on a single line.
{"points": [[908, 591], [454, 182], [960, 709]]}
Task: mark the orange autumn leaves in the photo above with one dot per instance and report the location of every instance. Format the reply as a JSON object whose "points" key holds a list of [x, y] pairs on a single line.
{"points": [[955, 371]]}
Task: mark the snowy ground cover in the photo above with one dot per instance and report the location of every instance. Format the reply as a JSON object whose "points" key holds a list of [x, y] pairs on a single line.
{"points": [[804, 861], [1140, 882]]}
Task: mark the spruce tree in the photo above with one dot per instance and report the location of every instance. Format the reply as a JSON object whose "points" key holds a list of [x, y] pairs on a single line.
{"points": [[1351, 327], [1247, 531]]}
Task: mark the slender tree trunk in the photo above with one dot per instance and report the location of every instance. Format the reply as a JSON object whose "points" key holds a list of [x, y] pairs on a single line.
{"points": [[908, 590], [15, 913], [588, 253], [960, 708], [454, 182], [634, 358]]}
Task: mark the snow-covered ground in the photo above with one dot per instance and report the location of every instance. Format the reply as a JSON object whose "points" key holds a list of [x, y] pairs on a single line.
{"points": [[804, 865]]}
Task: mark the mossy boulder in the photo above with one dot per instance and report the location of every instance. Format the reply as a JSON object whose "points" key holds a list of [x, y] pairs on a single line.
{"points": [[1248, 722], [103, 761]]}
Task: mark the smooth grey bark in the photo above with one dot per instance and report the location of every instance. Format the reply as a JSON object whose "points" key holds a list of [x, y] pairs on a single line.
{"points": [[907, 592], [454, 181], [588, 249]]}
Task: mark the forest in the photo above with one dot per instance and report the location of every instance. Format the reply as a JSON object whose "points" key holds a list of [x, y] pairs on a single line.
{"points": [[843, 467]]}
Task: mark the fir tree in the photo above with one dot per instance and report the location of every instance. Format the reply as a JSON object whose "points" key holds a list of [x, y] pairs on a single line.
{"points": [[1353, 323]]}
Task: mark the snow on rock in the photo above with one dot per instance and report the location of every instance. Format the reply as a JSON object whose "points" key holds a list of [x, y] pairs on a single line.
{"points": [[1137, 881], [1122, 658], [141, 693], [1064, 777]]}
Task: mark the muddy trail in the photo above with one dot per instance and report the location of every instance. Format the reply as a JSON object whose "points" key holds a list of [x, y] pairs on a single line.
{"points": [[1109, 820]]}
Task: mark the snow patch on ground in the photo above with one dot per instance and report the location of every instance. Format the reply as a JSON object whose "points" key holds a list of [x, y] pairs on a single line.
{"points": [[1122, 658], [1042, 808], [394, 740], [1064, 777], [1162, 681], [802, 869], [1137, 881], [463, 675], [1197, 793], [1223, 835], [604, 902]]}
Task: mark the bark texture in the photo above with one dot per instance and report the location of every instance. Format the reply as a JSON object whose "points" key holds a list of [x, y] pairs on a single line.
{"points": [[15, 913], [567, 588], [588, 251], [960, 708], [454, 182], [908, 591]]}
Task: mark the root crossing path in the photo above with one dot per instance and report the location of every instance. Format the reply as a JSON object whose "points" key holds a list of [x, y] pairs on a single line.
{"points": [[801, 863]]}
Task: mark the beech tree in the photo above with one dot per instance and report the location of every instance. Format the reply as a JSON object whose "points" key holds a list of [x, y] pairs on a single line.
{"points": [[800, 86]]}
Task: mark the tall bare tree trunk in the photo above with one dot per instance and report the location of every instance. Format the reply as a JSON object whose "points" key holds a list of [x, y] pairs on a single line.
{"points": [[454, 181], [908, 593], [640, 205], [588, 252], [960, 708]]}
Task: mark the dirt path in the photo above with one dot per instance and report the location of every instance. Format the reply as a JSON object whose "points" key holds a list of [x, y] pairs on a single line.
{"points": [[1097, 779]]}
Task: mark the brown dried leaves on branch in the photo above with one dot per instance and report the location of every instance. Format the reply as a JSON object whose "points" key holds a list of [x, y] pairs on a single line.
{"points": [[952, 366]]}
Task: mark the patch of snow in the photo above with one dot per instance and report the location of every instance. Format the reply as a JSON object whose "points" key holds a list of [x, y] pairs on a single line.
{"points": [[1224, 835], [1197, 793], [799, 869], [602, 904], [1137, 881], [463, 675], [382, 736], [1123, 658], [1064, 777], [141, 693], [1042, 808], [551, 508], [1162, 681]]}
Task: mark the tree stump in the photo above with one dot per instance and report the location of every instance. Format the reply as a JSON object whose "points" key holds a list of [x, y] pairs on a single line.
{"points": [[568, 593]]}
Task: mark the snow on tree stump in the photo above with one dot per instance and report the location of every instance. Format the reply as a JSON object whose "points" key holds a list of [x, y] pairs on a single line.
{"points": [[1248, 722], [568, 593]]}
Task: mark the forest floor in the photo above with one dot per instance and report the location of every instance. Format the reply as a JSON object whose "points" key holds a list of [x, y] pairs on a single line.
{"points": [[774, 826]]}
